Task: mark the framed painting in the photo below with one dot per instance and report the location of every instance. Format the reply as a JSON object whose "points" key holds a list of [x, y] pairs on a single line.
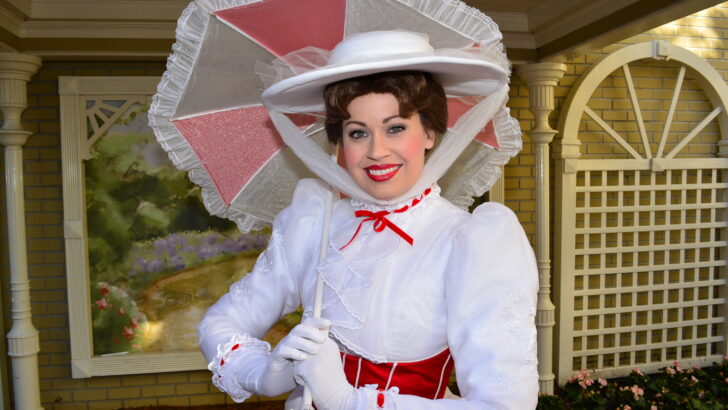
{"points": [[144, 258]]}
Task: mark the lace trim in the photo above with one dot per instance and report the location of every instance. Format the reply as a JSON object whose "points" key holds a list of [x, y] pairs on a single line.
{"points": [[354, 349], [379, 398], [239, 290], [225, 380], [468, 21], [515, 324], [424, 200], [461, 190], [191, 28]]}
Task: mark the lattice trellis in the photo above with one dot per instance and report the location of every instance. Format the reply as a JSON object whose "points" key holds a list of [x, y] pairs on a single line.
{"points": [[640, 264], [648, 266]]}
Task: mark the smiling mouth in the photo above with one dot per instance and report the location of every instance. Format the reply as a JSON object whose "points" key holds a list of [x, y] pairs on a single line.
{"points": [[380, 173]]}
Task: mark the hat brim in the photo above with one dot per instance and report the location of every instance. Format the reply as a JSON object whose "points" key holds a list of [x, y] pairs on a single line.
{"points": [[458, 76]]}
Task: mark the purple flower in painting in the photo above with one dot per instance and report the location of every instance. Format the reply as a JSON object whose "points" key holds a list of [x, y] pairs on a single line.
{"points": [[206, 252], [156, 265], [177, 262]]}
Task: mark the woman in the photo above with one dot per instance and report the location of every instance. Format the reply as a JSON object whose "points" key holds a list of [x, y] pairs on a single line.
{"points": [[413, 284]]}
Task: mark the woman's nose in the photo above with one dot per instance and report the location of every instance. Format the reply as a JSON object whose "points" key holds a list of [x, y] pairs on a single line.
{"points": [[378, 147]]}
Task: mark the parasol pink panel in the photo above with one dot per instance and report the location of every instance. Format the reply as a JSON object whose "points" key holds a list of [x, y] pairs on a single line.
{"points": [[456, 108], [232, 145], [282, 26]]}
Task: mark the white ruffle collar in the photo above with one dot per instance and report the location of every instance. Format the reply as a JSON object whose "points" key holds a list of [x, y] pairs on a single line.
{"points": [[421, 201]]}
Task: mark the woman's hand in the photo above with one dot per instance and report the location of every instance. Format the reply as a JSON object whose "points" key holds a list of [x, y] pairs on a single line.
{"points": [[303, 341], [324, 375]]}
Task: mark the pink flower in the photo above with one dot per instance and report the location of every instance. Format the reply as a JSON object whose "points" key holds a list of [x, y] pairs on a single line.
{"points": [[134, 323], [627, 407], [128, 332], [603, 382], [694, 379], [670, 370], [638, 371], [103, 304], [676, 365], [103, 289], [637, 391], [122, 311], [653, 407]]}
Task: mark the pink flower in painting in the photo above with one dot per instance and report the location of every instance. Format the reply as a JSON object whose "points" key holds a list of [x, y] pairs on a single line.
{"points": [[603, 382], [676, 365], [128, 332], [122, 311], [694, 379], [670, 370], [103, 304]]}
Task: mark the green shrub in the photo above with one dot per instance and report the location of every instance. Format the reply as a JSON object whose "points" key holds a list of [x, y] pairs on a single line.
{"points": [[673, 388]]}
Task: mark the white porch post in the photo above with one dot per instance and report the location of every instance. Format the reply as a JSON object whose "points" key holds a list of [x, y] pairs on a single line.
{"points": [[541, 78], [23, 341]]}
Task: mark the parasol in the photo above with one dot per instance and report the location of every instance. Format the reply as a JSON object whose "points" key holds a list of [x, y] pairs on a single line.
{"points": [[207, 113]]}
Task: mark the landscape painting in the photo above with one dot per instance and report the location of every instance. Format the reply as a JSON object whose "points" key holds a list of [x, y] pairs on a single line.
{"points": [[157, 258]]}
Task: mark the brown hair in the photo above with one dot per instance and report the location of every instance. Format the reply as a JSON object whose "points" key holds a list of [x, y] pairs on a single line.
{"points": [[416, 92]]}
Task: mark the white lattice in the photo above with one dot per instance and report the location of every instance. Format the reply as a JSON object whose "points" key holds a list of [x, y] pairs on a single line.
{"points": [[640, 275], [648, 267]]}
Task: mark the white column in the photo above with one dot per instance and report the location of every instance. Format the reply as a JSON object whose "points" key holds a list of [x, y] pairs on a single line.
{"points": [[541, 78], [23, 341]]}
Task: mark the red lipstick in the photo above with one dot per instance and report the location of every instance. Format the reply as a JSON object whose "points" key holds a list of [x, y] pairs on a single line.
{"points": [[382, 172]]}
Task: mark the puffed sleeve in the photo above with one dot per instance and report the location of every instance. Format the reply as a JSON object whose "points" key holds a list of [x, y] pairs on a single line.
{"points": [[230, 331], [491, 302], [490, 290]]}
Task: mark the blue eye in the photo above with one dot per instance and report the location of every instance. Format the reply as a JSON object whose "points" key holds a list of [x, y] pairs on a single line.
{"points": [[357, 134], [396, 129]]}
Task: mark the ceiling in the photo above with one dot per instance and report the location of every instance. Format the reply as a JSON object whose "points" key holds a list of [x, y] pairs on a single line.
{"points": [[144, 29]]}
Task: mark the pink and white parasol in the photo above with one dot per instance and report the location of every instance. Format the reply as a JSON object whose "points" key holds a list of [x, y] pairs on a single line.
{"points": [[208, 117]]}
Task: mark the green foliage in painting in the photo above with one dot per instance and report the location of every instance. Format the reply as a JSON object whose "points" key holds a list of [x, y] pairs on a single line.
{"points": [[131, 198]]}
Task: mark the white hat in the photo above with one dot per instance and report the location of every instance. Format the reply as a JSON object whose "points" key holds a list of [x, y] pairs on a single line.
{"points": [[459, 72]]}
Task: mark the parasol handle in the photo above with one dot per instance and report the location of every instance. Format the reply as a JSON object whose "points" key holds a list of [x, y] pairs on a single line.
{"points": [[318, 296]]}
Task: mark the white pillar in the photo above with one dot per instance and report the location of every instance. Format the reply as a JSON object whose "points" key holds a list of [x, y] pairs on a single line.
{"points": [[23, 341], [541, 78]]}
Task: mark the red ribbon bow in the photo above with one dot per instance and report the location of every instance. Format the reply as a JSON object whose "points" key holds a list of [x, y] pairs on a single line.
{"points": [[381, 221]]}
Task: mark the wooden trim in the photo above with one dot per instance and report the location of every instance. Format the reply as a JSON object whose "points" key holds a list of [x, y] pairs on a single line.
{"points": [[74, 92]]}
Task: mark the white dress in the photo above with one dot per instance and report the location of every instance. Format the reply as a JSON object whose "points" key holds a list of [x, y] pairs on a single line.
{"points": [[468, 283]]}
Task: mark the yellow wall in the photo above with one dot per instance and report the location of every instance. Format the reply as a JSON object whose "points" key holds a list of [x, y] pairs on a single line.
{"points": [[703, 33]]}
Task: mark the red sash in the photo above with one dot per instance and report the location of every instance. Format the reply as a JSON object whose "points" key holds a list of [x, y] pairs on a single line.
{"points": [[426, 378]]}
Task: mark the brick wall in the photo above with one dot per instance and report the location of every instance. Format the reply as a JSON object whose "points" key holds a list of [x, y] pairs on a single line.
{"points": [[46, 260], [44, 204], [704, 33]]}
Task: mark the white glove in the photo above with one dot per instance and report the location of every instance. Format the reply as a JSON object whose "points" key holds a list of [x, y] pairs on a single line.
{"points": [[324, 375], [304, 340]]}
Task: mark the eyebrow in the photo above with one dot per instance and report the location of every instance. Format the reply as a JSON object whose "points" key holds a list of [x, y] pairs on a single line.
{"points": [[384, 121]]}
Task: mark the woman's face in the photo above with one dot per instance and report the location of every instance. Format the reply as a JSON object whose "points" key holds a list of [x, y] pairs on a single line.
{"points": [[383, 152]]}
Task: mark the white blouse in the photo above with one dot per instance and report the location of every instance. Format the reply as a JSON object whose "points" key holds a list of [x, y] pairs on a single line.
{"points": [[468, 283]]}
